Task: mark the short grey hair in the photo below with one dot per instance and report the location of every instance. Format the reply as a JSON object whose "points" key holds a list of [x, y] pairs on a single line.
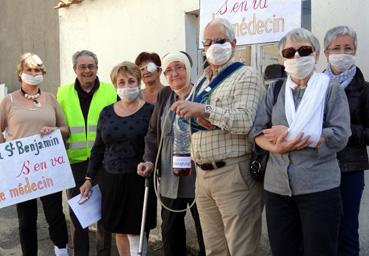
{"points": [[78, 54], [226, 24], [298, 35], [335, 32]]}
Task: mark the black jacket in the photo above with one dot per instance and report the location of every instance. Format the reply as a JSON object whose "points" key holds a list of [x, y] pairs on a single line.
{"points": [[354, 156]]}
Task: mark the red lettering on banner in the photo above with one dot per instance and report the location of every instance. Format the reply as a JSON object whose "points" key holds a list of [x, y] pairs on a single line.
{"points": [[2, 196], [57, 160], [223, 9], [260, 4], [24, 170], [27, 167], [40, 166], [240, 6]]}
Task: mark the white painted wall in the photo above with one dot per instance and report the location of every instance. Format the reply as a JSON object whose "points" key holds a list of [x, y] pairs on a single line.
{"points": [[118, 30], [329, 13]]}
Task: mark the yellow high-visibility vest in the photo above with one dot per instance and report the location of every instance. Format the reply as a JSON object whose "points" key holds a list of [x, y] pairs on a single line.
{"points": [[82, 138]]}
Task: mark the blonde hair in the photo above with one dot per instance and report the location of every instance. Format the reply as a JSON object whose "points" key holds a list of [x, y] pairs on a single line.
{"points": [[30, 60], [125, 67]]}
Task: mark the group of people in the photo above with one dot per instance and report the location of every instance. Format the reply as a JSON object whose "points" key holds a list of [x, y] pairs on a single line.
{"points": [[315, 128]]}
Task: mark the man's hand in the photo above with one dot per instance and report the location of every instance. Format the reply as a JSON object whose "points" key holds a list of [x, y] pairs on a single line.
{"points": [[188, 109]]}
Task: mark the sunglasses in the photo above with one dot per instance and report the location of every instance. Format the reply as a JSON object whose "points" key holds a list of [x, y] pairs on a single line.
{"points": [[208, 42], [289, 53]]}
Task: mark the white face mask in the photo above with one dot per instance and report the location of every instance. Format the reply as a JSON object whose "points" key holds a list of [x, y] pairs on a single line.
{"points": [[300, 68], [219, 54], [32, 80], [128, 94], [341, 62]]}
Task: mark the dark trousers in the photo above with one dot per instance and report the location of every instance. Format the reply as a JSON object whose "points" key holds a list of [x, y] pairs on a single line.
{"points": [[79, 235], [173, 227], [352, 186], [305, 224], [27, 217]]}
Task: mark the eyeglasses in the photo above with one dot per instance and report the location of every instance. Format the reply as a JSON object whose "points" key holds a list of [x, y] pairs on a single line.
{"points": [[338, 50], [176, 69], [85, 67], [208, 42], [289, 53]]}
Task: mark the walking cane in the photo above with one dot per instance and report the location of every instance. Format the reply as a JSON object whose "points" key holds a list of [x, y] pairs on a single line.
{"points": [[144, 208]]}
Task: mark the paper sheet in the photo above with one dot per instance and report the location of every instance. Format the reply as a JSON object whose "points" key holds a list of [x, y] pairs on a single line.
{"points": [[87, 210]]}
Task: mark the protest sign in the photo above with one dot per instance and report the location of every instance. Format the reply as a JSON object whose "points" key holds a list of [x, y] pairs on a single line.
{"points": [[254, 21], [32, 167]]}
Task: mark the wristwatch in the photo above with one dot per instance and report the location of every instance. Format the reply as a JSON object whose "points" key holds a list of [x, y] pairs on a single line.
{"points": [[208, 109]]}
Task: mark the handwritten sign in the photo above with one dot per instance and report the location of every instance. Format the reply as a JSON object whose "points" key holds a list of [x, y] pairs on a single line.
{"points": [[32, 167], [254, 21]]}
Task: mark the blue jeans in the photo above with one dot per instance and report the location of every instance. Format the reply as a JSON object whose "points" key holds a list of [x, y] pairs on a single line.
{"points": [[352, 186]]}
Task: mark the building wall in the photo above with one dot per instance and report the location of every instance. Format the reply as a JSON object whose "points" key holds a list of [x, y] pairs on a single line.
{"points": [[25, 26], [120, 30]]}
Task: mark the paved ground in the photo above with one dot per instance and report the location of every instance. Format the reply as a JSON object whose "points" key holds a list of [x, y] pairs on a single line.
{"points": [[9, 241]]}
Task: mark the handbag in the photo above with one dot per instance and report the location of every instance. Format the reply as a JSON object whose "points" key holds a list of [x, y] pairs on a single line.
{"points": [[259, 156]]}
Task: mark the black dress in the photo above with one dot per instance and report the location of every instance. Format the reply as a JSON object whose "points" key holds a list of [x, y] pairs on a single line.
{"points": [[119, 145]]}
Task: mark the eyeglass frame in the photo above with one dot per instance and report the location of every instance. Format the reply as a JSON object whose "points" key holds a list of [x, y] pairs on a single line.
{"points": [[177, 69], [209, 42], [340, 50], [83, 67]]}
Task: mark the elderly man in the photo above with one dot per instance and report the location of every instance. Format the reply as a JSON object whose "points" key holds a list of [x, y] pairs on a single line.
{"points": [[226, 99], [82, 102]]}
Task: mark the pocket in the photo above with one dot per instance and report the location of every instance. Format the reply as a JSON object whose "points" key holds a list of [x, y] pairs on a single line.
{"points": [[242, 175]]}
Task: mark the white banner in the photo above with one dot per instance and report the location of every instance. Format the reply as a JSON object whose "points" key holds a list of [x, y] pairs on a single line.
{"points": [[254, 21], [32, 167]]}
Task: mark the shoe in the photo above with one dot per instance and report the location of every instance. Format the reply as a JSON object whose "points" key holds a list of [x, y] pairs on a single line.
{"points": [[60, 251]]}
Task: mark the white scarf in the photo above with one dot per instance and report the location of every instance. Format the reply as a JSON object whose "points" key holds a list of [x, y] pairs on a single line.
{"points": [[308, 118]]}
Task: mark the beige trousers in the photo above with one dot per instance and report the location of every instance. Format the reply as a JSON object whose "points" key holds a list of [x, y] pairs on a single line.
{"points": [[230, 204]]}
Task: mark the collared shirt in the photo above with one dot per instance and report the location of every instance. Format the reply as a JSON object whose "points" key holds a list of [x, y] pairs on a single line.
{"points": [[234, 104]]}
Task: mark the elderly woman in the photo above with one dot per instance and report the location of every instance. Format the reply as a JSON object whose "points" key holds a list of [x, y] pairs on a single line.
{"points": [[310, 124], [119, 145], [149, 64], [25, 112], [176, 191], [340, 45]]}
